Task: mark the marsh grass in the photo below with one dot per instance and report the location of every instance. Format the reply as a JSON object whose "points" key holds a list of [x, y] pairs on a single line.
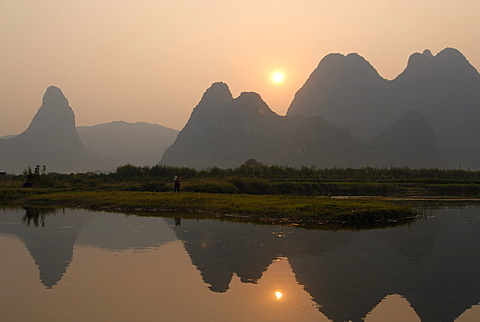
{"points": [[260, 207]]}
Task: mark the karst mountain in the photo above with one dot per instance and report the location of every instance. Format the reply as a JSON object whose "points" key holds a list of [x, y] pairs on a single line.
{"points": [[345, 115], [53, 140]]}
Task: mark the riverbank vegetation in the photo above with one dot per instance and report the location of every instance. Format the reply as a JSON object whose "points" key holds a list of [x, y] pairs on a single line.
{"points": [[266, 208], [256, 178], [254, 190]]}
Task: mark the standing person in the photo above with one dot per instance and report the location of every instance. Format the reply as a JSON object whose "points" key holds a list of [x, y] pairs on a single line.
{"points": [[176, 183]]}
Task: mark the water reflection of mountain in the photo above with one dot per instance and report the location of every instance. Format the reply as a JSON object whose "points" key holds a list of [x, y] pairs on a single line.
{"points": [[432, 263], [220, 249], [50, 244], [50, 235], [351, 280]]}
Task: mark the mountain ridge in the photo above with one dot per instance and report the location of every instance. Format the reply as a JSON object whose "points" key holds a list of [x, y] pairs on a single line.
{"points": [[347, 115]]}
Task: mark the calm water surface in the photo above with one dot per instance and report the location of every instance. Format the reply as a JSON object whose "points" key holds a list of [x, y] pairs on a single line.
{"points": [[77, 265]]}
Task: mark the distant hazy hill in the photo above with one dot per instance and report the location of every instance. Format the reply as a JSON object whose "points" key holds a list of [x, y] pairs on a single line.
{"points": [[445, 89], [409, 141], [135, 143], [317, 142], [51, 139]]}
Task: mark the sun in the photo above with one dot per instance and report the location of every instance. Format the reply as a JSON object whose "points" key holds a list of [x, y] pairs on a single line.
{"points": [[278, 77], [278, 295]]}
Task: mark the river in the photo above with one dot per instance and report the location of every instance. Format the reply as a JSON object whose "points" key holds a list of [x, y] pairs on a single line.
{"points": [[79, 265]]}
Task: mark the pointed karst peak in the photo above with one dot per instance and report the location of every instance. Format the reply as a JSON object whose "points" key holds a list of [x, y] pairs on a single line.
{"points": [[337, 59], [351, 65], [447, 55], [333, 58], [217, 92], [54, 98], [253, 103], [449, 61], [457, 65], [250, 96], [427, 53], [452, 55], [55, 115], [354, 57], [418, 59], [215, 100], [219, 87]]}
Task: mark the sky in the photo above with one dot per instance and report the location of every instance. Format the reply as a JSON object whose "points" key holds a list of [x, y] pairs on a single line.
{"points": [[151, 60]]}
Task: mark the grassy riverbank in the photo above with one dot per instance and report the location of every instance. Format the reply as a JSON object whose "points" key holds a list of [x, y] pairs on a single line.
{"points": [[253, 191], [274, 208], [254, 178]]}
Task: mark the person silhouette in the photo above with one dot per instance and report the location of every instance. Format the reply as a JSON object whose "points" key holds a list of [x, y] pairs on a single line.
{"points": [[178, 221], [176, 183]]}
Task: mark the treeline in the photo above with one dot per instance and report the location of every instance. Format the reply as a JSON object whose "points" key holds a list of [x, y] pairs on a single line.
{"points": [[253, 177], [254, 169]]}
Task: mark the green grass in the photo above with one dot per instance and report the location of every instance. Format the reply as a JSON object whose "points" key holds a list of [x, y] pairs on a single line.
{"points": [[274, 208]]}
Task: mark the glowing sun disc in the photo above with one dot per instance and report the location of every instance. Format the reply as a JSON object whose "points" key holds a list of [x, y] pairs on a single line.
{"points": [[278, 77], [278, 295]]}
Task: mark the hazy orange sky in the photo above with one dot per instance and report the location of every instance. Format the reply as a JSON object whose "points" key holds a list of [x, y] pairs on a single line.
{"points": [[151, 60]]}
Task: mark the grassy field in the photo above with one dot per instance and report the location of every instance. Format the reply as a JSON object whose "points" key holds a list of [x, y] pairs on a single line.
{"points": [[271, 208]]}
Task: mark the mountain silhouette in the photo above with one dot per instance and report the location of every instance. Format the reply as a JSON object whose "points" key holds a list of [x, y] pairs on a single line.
{"points": [[138, 143], [432, 263], [51, 139], [345, 115], [50, 235], [445, 89], [49, 239], [347, 91], [221, 249], [225, 131]]}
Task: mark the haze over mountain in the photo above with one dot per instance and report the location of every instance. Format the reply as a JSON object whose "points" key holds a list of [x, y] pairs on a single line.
{"points": [[347, 91], [345, 114], [225, 131], [53, 140], [138, 143], [410, 140], [445, 89]]}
